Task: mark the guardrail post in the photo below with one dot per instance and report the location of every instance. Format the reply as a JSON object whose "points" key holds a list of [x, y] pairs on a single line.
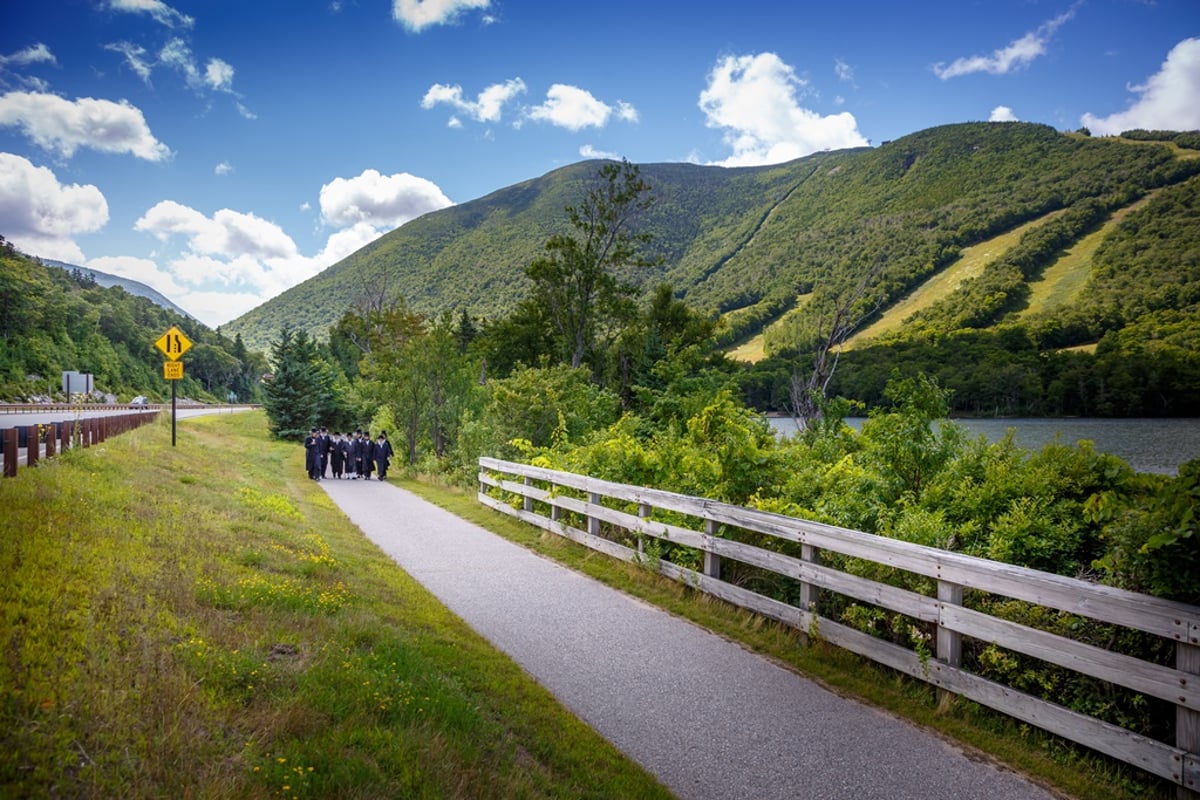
{"points": [[555, 511], [527, 501], [1187, 722], [51, 438], [64, 437], [949, 643], [33, 447], [712, 561], [10, 452]]}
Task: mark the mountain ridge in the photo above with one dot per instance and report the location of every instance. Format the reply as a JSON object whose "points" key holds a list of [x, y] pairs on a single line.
{"points": [[135, 288], [749, 239]]}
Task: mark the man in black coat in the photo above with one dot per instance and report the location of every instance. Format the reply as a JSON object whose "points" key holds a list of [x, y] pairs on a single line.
{"points": [[354, 466], [323, 449], [368, 451], [383, 454], [337, 455], [312, 454]]}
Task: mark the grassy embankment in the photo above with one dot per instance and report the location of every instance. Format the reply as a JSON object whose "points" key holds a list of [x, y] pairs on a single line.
{"points": [[201, 621]]}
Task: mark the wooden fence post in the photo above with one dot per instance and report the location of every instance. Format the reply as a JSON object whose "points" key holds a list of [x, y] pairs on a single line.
{"points": [[712, 561], [809, 593], [643, 513], [593, 522], [527, 501], [1187, 723], [949, 643]]}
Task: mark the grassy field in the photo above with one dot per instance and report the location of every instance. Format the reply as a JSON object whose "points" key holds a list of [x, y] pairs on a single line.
{"points": [[1063, 281], [201, 621]]}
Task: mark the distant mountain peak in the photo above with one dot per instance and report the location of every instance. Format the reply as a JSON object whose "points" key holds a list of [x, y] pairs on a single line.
{"points": [[133, 287]]}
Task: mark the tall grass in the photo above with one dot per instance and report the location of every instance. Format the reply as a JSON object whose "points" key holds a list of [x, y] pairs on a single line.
{"points": [[201, 621]]}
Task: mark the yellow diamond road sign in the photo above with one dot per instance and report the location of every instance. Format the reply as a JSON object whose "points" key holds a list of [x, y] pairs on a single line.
{"points": [[173, 343], [173, 370]]}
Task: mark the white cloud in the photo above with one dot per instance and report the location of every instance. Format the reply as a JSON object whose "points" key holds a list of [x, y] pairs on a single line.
{"points": [[233, 261], [219, 75], [1166, 101], [1019, 53], [224, 168], [158, 10], [232, 255], [1003, 114], [382, 201], [142, 270], [487, 107], [416, 15], [587, 151], [63, 126], [178, 55], [844, 72], [575, 109], [753, 98], [228, 234], [134, 57], [30, 55], [40, 215]]}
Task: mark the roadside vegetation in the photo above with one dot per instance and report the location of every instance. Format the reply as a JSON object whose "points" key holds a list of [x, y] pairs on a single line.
{"points": [[201, 621]]}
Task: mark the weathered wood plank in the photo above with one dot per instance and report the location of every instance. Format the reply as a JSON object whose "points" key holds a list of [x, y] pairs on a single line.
{"points": [[1133, 673], [1173, 620]]}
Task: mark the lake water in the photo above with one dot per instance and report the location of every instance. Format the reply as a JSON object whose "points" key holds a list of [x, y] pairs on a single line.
{"points": [[1149, 445]]}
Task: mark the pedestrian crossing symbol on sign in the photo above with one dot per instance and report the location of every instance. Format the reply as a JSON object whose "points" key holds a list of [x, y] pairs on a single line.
{"points": [[173, 343]]}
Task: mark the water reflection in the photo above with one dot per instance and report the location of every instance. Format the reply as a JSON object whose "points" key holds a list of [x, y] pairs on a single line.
{"points": [[1149, 445]]}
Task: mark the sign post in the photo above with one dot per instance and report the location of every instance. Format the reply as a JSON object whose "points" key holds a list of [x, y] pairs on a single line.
{"points": [[173, 344]]}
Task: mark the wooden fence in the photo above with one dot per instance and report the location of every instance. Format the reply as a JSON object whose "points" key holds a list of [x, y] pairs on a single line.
{"points": [[552, 500], [34, 442]]}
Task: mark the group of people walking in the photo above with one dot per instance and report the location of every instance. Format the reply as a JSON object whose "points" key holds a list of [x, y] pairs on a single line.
{"points": [[351, 455]]}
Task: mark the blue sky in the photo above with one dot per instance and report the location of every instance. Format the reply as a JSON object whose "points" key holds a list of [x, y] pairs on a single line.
{"points": [[223, 151]]}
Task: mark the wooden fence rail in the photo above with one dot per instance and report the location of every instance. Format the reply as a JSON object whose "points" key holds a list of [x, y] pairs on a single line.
{"points": [[546, 498], [35, 442]]}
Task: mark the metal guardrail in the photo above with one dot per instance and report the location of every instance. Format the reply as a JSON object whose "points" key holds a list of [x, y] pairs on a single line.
{"points": [[24, 446], [609, 512]]}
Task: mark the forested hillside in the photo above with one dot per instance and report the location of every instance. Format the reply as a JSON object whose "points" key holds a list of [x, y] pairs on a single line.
{"points": [[55, 320], [746, 243]]}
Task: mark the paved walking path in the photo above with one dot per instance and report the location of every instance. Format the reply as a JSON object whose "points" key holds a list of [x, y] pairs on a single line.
{"points": [[707, 717]]}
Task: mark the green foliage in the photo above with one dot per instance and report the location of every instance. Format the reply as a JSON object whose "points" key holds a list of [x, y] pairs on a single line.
{"points": [[543, 407], [56, 320], [576, 279], [299, 394]]}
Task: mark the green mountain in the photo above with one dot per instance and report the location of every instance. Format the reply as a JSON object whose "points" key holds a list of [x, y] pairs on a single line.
{"points": [[753, 243]]}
